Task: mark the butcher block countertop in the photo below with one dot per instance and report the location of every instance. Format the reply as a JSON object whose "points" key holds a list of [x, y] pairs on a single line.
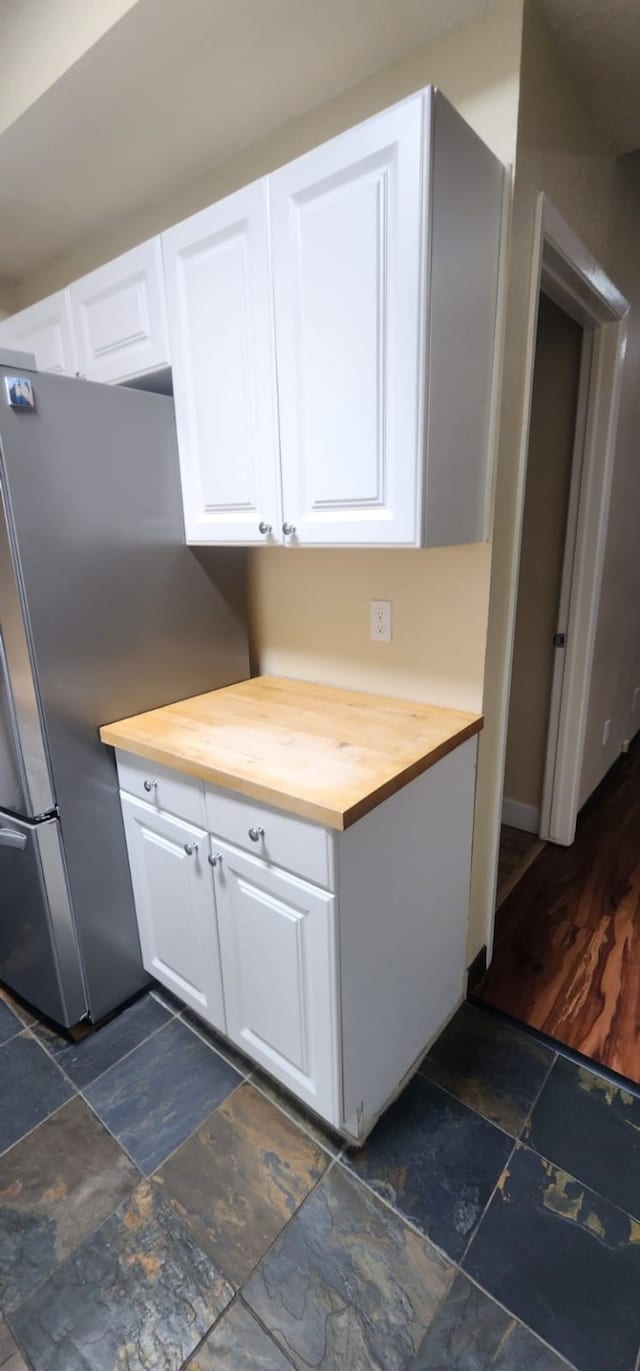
{"points": [[326, 754]]}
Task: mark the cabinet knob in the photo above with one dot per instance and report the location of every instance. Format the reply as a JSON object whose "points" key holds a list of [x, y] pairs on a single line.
{"points": [[214, 858], [264, 527], [288, 530], [256, 834], [150, 785], [190, 848]]}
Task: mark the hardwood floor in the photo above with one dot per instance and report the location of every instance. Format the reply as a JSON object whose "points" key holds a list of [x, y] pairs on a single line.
{"points": [[517, 851], [567, 948]]}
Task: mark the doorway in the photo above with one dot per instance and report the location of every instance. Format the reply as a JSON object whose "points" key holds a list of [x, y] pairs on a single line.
{"points": [[567, 922], [559, 405]]}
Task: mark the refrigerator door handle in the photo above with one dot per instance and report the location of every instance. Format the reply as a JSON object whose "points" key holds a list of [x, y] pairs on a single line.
{"points": [[9, 837]]}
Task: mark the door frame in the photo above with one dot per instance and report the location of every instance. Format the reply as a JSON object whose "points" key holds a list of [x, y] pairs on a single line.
{"points": [[575, 281]]}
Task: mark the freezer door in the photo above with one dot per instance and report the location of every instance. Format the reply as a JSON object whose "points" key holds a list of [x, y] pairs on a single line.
{"points": [[25, 783], [39, 956]]}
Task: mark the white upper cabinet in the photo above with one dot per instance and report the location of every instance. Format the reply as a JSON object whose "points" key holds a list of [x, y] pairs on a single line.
{"points": [[347, 262], [46, 330], [218, 283], [119, 316], [378, 254]]}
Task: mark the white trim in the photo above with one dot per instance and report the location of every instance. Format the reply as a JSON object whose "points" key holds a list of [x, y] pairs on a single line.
{"points": [[581, 286], [517, 814], [578, 284]]}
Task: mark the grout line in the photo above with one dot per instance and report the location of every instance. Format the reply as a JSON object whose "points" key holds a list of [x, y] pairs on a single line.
{"points": [[335, 1154], [201, 1033], [520, 1322], [452, 1096], [81, 1095], [536, 1098], [35, 1128], [404, 1218], [479, 1220]]}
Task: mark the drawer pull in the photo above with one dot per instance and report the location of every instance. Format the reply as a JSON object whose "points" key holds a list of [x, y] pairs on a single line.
{"points": [[256, 834], [150, 785], [214, 858], [190, 848]]}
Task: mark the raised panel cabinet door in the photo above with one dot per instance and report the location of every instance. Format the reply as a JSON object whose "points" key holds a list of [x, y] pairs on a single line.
{"points": [[175, 906], [219, 299], [46, 330], [119, 316], [278, 948], [347, 228]]}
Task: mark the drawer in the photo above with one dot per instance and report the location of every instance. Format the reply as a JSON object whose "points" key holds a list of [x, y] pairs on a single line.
{"points": [[285, 841], [161, 786]]}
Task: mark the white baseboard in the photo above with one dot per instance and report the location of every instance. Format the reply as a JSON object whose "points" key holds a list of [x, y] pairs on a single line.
{"points": [[519, 815]]}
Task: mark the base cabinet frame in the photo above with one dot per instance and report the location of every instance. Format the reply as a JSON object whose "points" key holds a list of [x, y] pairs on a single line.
{"points": [[335, 993]]}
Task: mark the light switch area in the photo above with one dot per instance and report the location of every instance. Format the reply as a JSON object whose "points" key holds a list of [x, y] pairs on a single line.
{"points": [[380, 621], [636, 699], [605, 732]]}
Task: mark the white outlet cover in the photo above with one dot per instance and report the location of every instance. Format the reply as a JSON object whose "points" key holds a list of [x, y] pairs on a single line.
{"points": [[380, 621]]}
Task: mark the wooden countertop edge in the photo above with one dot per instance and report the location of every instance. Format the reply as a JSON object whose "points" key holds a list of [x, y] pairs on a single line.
{"points": [[292, 804]]}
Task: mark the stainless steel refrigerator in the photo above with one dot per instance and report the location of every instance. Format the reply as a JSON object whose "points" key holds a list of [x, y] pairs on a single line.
{"points": [[104, 612]]}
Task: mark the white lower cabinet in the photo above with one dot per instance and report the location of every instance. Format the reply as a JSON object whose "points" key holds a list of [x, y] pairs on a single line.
{"points": [[336, 979], [278, 950], [175, 906]]}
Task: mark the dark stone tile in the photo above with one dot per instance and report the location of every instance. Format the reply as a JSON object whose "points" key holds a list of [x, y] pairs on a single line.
{"points": [[434, 1160], [218, 1043], [490, 1066], [56, 1187], [564, 1261], [238, 1343], [100, 1049], [590, 1128], [10, 1356], [138, 1294], [31, 1087], [157, 1096], [9, 1024], [348, 1284], [239, 1179], [23, 1012], [321, 1133], [471, 1333]]}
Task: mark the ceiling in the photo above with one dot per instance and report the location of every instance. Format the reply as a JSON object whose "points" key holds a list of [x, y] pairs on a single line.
{"points": [[170, 90], [601, 41], [156, 92]]}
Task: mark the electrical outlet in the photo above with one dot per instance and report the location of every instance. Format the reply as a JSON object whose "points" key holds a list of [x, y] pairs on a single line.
{"points": [[605, 732], [380, 627], [636, 699]]}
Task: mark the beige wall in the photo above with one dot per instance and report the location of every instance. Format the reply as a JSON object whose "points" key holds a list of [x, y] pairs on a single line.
{"points": [[553, 413], [476, 64], [41, 39], [562, 151]]}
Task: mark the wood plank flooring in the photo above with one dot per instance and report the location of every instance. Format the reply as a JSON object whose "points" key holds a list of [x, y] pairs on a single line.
{"points": [[517, 851], [567, 948]]}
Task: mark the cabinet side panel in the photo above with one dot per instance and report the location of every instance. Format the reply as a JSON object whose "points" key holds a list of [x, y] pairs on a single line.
{"points": [[467, 190], [404, 898]]}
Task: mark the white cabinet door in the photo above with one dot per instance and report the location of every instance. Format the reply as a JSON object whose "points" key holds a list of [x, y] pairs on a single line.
{"points": [[278, 948], [46, 330], [347, 230], [218, 282], [119, 316], [175, 906]]}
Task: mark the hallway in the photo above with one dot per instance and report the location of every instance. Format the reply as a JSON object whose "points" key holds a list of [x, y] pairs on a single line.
{"points": [[567, 948]]}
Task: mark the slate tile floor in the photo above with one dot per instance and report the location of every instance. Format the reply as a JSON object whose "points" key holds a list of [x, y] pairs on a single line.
{"points": [[164, 1207]]}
